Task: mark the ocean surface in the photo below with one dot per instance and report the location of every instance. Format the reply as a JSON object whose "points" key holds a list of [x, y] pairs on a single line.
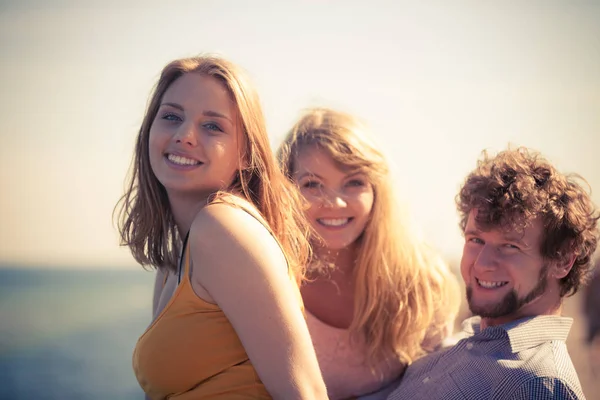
{"points": [[69, 334]]}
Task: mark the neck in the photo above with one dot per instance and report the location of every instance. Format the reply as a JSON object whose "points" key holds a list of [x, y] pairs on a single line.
{"points": [[343, 259], [552, 308], [184, 209]]}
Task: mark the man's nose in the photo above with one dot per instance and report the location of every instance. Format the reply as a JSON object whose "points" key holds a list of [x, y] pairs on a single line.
{"points": [[487, 258]]}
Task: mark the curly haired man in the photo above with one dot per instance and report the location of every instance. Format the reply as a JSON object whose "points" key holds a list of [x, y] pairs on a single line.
{"points": [[529, 234]]}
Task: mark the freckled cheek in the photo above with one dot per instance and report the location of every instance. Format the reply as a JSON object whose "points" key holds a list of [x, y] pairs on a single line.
{"points": [[363, 202], [313, 200], [311, 212], [215, 146]]}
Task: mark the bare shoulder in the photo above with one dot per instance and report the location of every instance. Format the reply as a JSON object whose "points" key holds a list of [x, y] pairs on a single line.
{"points": [[224, 238], [227, 222]]}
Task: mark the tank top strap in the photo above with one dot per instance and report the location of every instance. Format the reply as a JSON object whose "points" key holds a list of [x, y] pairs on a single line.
{"points": [[165, 279], [184, 261]]}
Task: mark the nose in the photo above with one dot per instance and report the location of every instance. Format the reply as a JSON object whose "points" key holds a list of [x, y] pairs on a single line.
{"points": [[187, 134], [334, 199], [486, 259]]}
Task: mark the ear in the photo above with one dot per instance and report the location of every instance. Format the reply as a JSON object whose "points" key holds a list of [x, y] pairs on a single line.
{"points": [[562, 268]]}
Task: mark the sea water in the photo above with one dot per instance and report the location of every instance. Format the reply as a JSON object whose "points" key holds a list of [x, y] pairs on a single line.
{"points": [[69, 334]]}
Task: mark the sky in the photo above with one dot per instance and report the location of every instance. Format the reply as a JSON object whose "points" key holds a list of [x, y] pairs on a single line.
{"points": [[437, 82]]}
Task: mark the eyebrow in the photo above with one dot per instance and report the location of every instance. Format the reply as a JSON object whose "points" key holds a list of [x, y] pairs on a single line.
{"points": [[354, 173], [215, 114], [207, 113], [509, 238], [514, 239], [312, 174]]}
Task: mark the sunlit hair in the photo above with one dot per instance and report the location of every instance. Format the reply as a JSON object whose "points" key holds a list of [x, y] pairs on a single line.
{"points": [[518, 185], [447, 297], [146, 222], [394, 297]]}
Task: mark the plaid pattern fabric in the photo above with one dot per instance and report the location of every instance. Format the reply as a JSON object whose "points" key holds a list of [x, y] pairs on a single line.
{"points": [[524, 359]]}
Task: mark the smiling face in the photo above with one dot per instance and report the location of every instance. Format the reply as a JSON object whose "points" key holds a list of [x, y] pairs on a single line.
{"points": [[193, 142], [340, 200], [505, 274]]}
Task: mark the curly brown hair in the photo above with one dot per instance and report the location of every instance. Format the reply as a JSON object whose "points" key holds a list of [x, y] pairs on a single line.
{"points": [[518, 185]]}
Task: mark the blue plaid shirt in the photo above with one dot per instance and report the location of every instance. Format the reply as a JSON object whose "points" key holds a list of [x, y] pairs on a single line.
{"points": [[522, 360]]}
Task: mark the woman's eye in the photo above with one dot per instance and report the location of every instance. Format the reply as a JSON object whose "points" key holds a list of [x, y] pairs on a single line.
{"points": [[356, 183], [212, 127], [310, 185], [511, 246], [171, 117]]}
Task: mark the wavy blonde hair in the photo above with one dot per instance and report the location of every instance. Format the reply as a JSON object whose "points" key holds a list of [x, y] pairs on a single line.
{"points": [[447, 296], [397, 291], [146, 223]]}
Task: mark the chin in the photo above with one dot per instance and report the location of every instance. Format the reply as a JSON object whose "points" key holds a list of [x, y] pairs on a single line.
{"points": [[336, 245]]}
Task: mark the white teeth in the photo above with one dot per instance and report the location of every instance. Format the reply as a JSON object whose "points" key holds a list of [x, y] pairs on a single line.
{"points": [[333, 221], [182, 160], [490, 284]]}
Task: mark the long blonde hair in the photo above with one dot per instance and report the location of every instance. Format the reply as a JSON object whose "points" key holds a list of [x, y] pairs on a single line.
{"points": [[396, 291], [145, 219]]}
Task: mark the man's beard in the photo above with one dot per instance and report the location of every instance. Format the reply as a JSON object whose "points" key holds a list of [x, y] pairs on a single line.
{"points": [[511, 303]]}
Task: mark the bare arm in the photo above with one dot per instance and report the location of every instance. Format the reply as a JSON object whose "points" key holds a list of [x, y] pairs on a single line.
{"points": [[242, 269]]}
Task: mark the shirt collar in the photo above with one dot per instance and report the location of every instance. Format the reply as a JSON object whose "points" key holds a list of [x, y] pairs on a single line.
{"points": [[522, 334]]}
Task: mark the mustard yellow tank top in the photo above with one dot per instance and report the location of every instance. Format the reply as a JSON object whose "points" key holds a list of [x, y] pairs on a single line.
{"points": [[191, 351]]}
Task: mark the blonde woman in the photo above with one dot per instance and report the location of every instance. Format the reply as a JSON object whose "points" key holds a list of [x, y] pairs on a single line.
{"points": [[205, 185], [375, 297]]}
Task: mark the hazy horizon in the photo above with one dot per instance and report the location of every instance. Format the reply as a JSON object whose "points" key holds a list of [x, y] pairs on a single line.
{"points": [[437, 83]]}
